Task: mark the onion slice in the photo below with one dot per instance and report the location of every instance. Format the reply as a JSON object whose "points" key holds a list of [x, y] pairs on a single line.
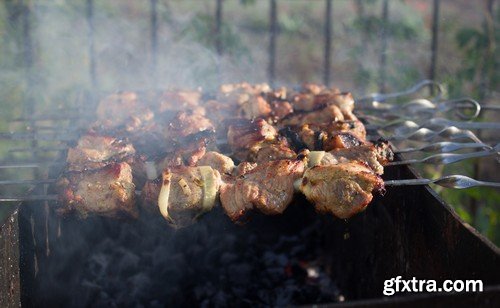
{"points": [[315, 158], [209, 187], [165, 194]]}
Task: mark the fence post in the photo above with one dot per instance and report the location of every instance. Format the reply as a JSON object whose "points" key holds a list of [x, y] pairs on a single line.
{"points": [[90, 37], [272, 43], [154, 41], [434, 42], [383, 50], [328, 42], [218, 27]]}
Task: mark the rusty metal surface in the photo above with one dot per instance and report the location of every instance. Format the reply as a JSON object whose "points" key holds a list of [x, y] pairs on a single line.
{"points": [[10, 294], [409, 232]]}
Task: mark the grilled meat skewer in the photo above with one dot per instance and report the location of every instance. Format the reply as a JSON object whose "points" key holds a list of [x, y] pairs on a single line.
{"points": [[180, 127]]}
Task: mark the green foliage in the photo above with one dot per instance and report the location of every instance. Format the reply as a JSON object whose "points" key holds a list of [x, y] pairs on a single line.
{"points": [[481, 60], [247, 2], [201, 29], [398, 30]]}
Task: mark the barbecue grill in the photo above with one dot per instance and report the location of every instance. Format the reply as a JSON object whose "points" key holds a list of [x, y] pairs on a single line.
{"points": [[299, 257]]}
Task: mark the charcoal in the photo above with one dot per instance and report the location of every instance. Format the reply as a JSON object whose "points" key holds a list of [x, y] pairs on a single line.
{"points": [[214, 263]]}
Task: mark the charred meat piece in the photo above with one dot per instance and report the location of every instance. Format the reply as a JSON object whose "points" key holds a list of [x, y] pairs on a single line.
{"points": [[217, 161], [243, 135], [267, 187], [186, 193], [342, 140], [326, 137], [343, 189], [354, 127], [95, 151], [108, 191], [384, 151]]}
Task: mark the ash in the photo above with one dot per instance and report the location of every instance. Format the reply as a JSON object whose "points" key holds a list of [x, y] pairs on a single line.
{"points": [[268, 261]]}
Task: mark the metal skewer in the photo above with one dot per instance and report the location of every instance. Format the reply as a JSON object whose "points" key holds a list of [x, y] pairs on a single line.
{"points": [[40, 149], [31, 164], [446, 158], [450, 181], [378, 97], [38, 198], [425, 134], [37, 136], [402, 126], [26, 182], [29, 198], [444, 147]]}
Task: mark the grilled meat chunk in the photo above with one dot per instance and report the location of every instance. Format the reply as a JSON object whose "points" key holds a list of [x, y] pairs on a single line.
{"points": [[178, 100], [217, 161], [254, 107], [186, 193], [243, 135], [252, 104], [384, 151], [342, 140], [314, 97], [108, 191], [123, 109], [183, 155], [343, 189], [148, 167], [95, 151], [243, 167], [267, 187], [187, 124], [326, 137], [328, 114], [374, 156], [232, 92], [280, 110], [267, 151]]}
